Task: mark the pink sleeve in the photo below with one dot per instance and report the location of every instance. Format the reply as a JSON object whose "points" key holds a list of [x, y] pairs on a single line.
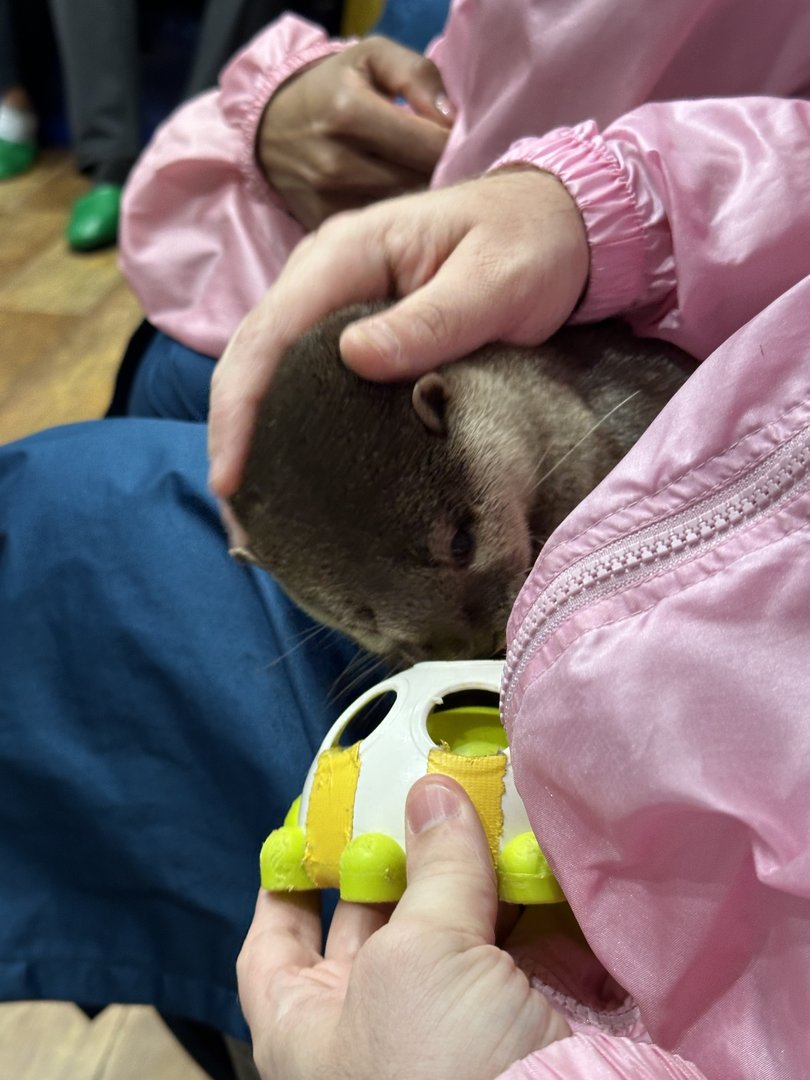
{"points": [[698, 212], [601, 1057], [202, 233]]}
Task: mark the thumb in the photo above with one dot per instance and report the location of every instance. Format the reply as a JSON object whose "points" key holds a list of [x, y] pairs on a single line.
{"points": [[440, 321], [451, 881], [401, 72]]}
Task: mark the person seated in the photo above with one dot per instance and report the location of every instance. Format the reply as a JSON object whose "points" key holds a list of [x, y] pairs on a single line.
{"points": [[161, 701]]}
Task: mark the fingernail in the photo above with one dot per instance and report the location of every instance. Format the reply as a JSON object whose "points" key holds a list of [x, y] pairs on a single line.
{"points": [[383, 341], [430, 804], [444, 106]]}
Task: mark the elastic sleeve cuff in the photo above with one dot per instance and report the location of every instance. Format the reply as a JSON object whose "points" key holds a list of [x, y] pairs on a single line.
{"points": [[601, 1057], [581, 160], [254, 75]]}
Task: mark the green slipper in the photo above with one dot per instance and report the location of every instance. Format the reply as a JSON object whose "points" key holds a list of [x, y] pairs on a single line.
{"points": [[16, 158], [94, 219]]}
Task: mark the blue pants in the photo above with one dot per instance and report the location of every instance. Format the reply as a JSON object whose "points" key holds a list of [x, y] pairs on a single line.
{"points": [[170, 381], [159, 707]]}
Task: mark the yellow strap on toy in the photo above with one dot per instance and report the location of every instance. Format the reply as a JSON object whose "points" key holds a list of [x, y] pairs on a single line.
{"points": [[330, 813], [483, 780]]}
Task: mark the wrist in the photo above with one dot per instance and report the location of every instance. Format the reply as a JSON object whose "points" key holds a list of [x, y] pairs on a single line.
{"points": [[249, 85], [560, 207], [582, 163]]}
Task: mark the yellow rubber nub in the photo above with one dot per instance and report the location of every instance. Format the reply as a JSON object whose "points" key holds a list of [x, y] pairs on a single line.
{"points": [[292, 813], [473, 731], [372, 869], [477, 748], [281, 861], [524, 876]]}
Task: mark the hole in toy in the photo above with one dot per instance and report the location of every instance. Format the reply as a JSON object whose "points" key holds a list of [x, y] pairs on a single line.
{"points": [[468, 723], [369, 716]]}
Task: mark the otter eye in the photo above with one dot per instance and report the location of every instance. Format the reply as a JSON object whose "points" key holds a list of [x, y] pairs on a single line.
{"points": [[462, 546]]}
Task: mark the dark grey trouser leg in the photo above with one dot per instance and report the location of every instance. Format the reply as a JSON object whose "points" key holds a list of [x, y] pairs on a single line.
{"points": [[98, 48], [226, 26], [9, 71]]}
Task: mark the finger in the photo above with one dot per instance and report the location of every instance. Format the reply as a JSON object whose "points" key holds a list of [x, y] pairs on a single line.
{"points": [[469, 276], [393, 133], [451, 881], [236, 391], [312, 210], [285, 933], [312, 206], [326, 270], [342, 167], [401, 72], [352, 925], [291, 922], [442, 320]]}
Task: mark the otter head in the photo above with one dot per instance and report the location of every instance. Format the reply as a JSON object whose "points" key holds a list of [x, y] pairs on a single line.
{"points": [[363, 501]]}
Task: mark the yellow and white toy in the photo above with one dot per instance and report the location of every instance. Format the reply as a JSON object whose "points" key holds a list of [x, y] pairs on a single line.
{"points": [[347, 830]]}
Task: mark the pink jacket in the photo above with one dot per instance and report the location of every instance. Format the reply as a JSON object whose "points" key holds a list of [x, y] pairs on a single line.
{"points": [[657, 698], [548, 64], [655, 692]]}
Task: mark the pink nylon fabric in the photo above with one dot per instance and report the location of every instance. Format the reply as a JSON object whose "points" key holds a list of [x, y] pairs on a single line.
{"points": [[202, 234], [712, 189], [547, 64], [598, 1057], [660, 735]]}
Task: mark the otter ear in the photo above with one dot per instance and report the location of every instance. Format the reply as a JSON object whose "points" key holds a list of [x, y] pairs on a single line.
{"points": [[430, 396]]}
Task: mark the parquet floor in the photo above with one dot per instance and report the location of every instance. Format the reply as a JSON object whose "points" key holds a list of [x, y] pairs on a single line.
{"points": [[64, 322], [64, 318]]}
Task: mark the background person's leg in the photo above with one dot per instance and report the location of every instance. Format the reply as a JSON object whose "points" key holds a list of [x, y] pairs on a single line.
{"points": [[160, 707], [225, 26], [98, 49], [18, 121]]}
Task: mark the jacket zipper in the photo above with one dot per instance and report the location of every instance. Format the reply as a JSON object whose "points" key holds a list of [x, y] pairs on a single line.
{"points": [[686, 535]]}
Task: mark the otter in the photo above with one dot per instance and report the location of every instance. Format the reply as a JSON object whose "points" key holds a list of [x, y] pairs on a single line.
{"points": [[408, 515]]}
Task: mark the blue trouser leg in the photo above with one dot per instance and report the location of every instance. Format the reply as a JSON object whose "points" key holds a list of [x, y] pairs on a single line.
{"points": [[171, 382], [159, 708]]}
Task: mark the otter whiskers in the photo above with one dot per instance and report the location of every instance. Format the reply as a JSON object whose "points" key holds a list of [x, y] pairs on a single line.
{"points": [[581, 440], [305, 637], [361, 667]]}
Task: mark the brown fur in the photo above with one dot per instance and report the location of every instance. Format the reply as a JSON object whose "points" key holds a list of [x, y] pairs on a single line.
{"points": [[408, 515]]}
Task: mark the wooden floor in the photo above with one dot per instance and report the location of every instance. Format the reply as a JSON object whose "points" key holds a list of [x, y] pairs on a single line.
{"points": [[64, 322], [64, 318]]}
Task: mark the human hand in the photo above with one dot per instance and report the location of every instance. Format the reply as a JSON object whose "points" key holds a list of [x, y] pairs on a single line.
{"points": [[503, 257], [333, 138], [425, 994]]}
